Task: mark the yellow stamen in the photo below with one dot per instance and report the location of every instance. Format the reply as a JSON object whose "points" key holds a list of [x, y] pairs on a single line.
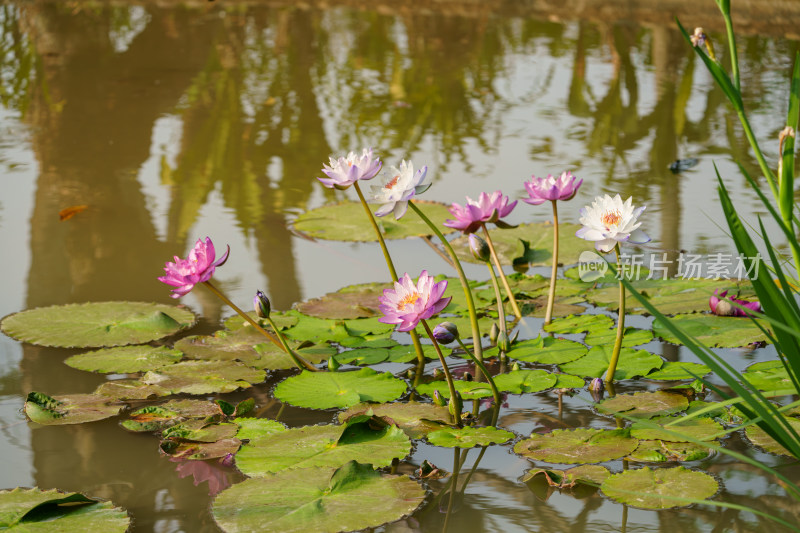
{"points": [[392, 182], [408, 300], [611, 218]]}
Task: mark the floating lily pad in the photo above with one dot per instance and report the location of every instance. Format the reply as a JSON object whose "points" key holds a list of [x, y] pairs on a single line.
{"points": [[323, 500], [644, 404], [547, 351], [405, 353], [414, 418], [271, 357], [632, 363], [326, 390], [96, 324], [255, 429], [606, 337], [662, 488], [469, 390], [539, 248], [568, 381], [200, 431], [537, 307], [676, 370], [564, 479], [204, 377], [469, 437], [69, 409], [200, 451], [282, 319], [224, 345], [363, 356], [151, 418], [347, 222], [577, 446], [760, 438], [125, 359], [580, 324], [320, 329], [359, 439], [659, 451], [769, 376], [346, 304], [701, 428], [717, 411], [522, 381], [713, 331], [130, 389], [28, 510]]}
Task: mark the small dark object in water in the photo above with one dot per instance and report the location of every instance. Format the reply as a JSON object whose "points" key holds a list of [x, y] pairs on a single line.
{"points": [[679, 165]]}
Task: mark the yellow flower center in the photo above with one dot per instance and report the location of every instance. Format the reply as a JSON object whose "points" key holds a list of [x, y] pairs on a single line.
{"points": [[611, 218], [410, 299], [392, 182]]}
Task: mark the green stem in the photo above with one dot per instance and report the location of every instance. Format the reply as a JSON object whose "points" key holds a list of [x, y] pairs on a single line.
{"points": [[551, 295], [511, 299], [299, 361], [762, 162], [450, 385], [473, 315], [612, 367], [726, 14], [453, 487], [501, 312], [489, 379], [392, 271]]}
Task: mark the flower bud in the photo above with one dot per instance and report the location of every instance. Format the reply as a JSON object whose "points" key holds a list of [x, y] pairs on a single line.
{"points": [[333, 364], [445, 333], [515, 367], [479, 248], [438, 374], [261, 305], [503, 342], [493, 333], [438, 399], [596, 385], [455, 406]]}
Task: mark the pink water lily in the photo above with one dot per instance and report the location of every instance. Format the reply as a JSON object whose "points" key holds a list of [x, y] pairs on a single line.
{"points": [[184, 274], [541, 190], [345, 171], [720, 304], [406, 304], [474, 214]]}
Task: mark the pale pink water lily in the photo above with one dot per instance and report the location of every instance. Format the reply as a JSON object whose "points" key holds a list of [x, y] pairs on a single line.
{"points": [[541, 190], [406, 304], [609, 221], [395, 193], [720, 305], [474, 214], [345, 171], [184, 274]]}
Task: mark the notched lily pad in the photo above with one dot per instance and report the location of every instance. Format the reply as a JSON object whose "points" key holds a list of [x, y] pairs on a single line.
{"points": [[547, 351], [644, 404], [662, 488], [566, 479], [125, 359], [97, 324], [69, 409], [415, 418], [204, 377], [659, 451], [632, 363], [714, 331], [469, 437], [326, 390], [26, 510], [577, 446]]}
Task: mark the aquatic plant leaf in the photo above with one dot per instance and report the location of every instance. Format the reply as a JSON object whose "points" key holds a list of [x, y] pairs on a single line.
{"points": [[414, 418], [281, 319], [96, 324], [676, 370], [29, 510], [319, 329], [579, 324], [539, 249], [151, 418], [759, 437], [662, 488], [363, 356], [124, 359], [469, 437], [345, 222], [255, 429], [565, 479], [713, 331], [224, 345], [568, 381], [359, 439], [130, 389], [200, 451], [353, 497], [326, 390], [271, 357], [69, 409], [200, 431], [645, 404], [632, 337], [405, 353], [347, 303], [547, 350], [701, 428], [469, 390], [204, 377], [577, 446], [632, 363], [659, 451], [720, 411], [522, 381], [768, 376]]}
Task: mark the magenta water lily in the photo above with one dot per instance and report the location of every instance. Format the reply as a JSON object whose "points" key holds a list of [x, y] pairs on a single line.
{"points": [[198, 267], [345, 171], [470, 217], [541, 190], [720, 304], [406, 304], [402, 187]]}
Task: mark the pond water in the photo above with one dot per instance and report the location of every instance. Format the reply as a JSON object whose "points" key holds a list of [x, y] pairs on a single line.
{"points": [[173, 121]]}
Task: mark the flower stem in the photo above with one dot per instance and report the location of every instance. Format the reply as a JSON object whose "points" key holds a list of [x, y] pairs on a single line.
{"points": [[392, 270], [489, 379], [453, 487], [450, 385], [551, 295], [299, 361], [511, 299], [612, 367], [473, 315], [501, 312]]}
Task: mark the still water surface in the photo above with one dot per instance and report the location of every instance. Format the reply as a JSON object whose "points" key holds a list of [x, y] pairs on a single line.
{"points": [[175, 121]]}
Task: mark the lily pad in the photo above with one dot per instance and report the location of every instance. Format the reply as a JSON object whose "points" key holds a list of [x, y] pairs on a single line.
{"points": [[359, 439], [224, 345], [326, 390], [568, 381], [363, 356], [96, 324], [414, 418], [125, 359], [547, 351], [282, 319], [69, 409], [677, 370], [644, 404], [659, 451], [271, 357], [319, 329], [204, 377], [347, 222], [580, 324], [701, 428], [760, 438], [200, 431], [537, 249], [564, 479], [577, 446], [151, 418], [130, 389], [469, 390], [255, 429], [632, 363], [323, 500], [405, 353], [768, 376], [469, 437], [713, 331], [28, 510], [662, 488], [522, 381], [632, 337], [347, 303]]}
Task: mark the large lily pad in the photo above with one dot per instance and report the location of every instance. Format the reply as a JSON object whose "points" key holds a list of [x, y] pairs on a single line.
{"points": [[662, 488], [469, 437], [580, 323], [713, 331], [547, 350], [96, 324], [363, 356], [204, 377], [69, 409], [769, 376], [644, 404], [319, 329], [577, 446], [326, 390], [405, 353], [256, 429], [632, 363], [760, 438], [659, 451], [130, 389], [631, 337], [523, 381], [565, 479], [282, 320], [125, 359], [32, 510], [350, 302], [224, 345], [415, 418], [347, 222], [359, 439], [677, 370], [701, 428], [469, 390], [323, 500], [271, 357]]}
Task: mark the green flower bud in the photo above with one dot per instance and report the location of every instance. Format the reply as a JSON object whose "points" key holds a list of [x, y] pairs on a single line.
{"points": [[261, 305], [333, 364]]}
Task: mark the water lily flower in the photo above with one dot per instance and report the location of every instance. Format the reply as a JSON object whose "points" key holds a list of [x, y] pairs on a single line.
{"points": [[406, 304], [345, 171], [474, 214], [184, 274], [609, 221], [395, 194], [720, 305], [541, 190], [479, 248], [262, 305], [445, 333]]}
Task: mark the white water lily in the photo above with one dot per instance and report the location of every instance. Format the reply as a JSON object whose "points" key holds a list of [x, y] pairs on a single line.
{"points": [[609, 221], [395, 194]]}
